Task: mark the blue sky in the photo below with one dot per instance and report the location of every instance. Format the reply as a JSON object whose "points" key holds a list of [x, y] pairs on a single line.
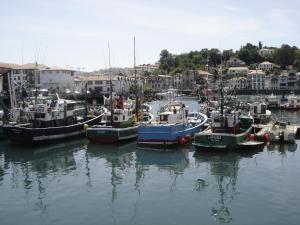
{"points": [[75, 32]]}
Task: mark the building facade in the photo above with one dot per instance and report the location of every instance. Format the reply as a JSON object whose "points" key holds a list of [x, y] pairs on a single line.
{"points": [[256, 79], [237, 71], [266, 66], [265, 52], [57, 79]]}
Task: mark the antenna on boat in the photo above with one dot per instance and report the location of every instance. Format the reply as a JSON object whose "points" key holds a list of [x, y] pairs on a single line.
{"points": [[135, 81], [111, 100]]}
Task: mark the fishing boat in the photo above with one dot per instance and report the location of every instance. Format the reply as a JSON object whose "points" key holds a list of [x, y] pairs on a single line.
{"points": [[121, 123], [226, 132], [146, 107], [292, 102], [172, 126], [228, 129], [278, 132], [272, 101], [115, 126], [260, 113], [50, 121], [1, 124]]}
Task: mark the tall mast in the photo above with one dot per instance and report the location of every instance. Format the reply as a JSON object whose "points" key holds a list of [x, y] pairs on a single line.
{"points": [[135, 81], [111, 100]]}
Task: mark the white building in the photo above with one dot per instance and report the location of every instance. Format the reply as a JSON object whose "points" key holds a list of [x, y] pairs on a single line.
{"points": [[265, 52], [256, 79], [101, 84], [238, 71], [238, 83], [160, 82], [265, 66], [283, 82], [27, 75], [57, 78], [146, 68]]}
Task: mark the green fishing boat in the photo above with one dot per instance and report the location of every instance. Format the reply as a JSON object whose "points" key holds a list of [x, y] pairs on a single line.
{"points": [[227, 131]]}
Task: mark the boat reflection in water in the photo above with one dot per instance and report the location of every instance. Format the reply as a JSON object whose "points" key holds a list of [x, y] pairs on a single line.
{"points": [[176, 160], [224, 167], [282, 148], [120, 158], [31, 168]]}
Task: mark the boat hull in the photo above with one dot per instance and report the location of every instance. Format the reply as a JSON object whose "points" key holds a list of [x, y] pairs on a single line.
{"points": [[25, 135], [104, 134], [166, 134], [219, 141]]}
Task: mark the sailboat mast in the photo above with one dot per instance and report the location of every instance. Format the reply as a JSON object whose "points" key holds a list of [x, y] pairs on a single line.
{"points": [[110, 74], [135, 81]]}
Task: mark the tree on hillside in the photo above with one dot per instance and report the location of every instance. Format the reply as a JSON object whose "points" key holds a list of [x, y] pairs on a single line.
{"points": [[214, 56], [285, 55], [296, 64], [227, 54], [249, 54], [259, 45], [166, 61]]}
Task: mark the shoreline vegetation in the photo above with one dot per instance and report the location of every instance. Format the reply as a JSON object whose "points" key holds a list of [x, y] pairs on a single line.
{"points": [[283, 57]]}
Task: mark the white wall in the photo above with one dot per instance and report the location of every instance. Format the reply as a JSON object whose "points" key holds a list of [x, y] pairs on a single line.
{"points": [[57, 78]]}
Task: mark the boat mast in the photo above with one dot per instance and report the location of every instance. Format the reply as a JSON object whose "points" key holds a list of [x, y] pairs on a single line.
{"points": [[111, 100], [135, 81]]}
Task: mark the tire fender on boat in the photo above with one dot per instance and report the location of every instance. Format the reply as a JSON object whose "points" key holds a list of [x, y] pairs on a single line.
{"points": [[251, 137], [85, 126], [266, 136], [182, 141], [188, 137]]}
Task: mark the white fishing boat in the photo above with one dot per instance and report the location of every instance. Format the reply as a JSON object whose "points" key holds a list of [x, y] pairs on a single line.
{"points": [[260, 113]]}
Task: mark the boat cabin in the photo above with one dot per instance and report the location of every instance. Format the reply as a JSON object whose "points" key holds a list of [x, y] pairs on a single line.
{"points": [[57, 112], [258, 108], [226, 123], [123, 114], [173, 113]]}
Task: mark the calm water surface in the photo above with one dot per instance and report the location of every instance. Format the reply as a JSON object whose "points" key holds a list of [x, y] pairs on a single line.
{"points": [[78, 182]]}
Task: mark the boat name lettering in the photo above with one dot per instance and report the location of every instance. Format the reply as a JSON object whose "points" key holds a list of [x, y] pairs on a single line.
{"points": [[214, 137], [16, 131], [101, 132]]}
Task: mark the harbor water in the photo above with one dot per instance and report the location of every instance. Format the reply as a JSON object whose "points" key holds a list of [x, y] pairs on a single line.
{"points": [[79, 182]]}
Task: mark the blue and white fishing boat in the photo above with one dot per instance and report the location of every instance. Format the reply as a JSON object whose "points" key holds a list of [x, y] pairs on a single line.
{"points": [[174, 126]]}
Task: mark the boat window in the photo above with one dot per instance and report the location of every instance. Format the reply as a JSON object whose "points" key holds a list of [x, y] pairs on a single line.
{"points": [[53, 103], [255, 109], [70, 107], [263, 109], [163, 117], [123, 117], [217, 120]]}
